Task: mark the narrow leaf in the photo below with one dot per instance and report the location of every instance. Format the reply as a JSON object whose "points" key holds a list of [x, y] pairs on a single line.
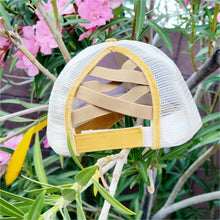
{"points": [[208, 139], [15, 197], [83, 177], [141, 11], [69, 194], [143, 171], [15, 119], [174, 153], [20, 102], [111, 200], [214, 116], [79, 209], [38, 162], [72, 152], [5, 15], [8, 150], [163, 35], [9, 209], [36, 207], [18, 157]]}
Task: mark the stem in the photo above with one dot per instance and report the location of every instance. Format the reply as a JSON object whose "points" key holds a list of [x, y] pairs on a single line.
{"points": [[18, 43], [56, 33], [2, 140], [192, 38], [134, 21], [209, 66], [24, 112], [55, 12], [213, 27], [114, 183], [186, 202], [189, 172], [215, 101]]}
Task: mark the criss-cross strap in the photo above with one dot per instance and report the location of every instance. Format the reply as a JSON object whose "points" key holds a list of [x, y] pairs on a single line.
{"points": [[102, 104]]}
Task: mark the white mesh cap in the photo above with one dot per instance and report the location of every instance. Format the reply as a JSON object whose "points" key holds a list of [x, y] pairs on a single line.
{"points": [[178, 118]]}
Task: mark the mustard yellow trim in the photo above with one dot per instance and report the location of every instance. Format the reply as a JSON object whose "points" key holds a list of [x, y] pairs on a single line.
{"points": [[109, 139], [149, 76]]}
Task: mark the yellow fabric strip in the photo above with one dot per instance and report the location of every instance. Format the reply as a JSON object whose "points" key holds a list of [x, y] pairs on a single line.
{"points": [[101, 122], [89, 112], [123, 75], [129, 64], [114, 104], [101, 87], [111, 139]]}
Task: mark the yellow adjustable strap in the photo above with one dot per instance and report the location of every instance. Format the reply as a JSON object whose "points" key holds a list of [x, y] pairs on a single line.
{"points": [[110, 139]]}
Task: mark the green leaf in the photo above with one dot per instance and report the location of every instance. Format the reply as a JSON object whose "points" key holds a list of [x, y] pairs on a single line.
{"points": [[76, 21], [202, 52], [208, 139], [174, 153], [72, 152], [113, 22], [8, 150], [15, 119], [162, 33], [14, 196], [20, 102], [5, 15], [83, 177], [141, 11], [69, 194], [143, 171], [135, 180], [38, 162], [212, 79], [65, 213], [146, 29], [9, 209], [79, 209], [111, 200], [214, 116], [36, 207], [13, 61], [207, 130]]}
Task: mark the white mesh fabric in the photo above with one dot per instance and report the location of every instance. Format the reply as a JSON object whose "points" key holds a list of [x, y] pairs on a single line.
{"points": [[179, 119]]}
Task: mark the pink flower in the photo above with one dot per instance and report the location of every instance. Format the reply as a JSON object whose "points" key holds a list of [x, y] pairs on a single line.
{"points": [[94, 11], [45, 142], [85, 35], [5, 45], [60, 5], [186, 2], [4, 156], [31, 44], [44, 37], [218, 17], [112, 3]]}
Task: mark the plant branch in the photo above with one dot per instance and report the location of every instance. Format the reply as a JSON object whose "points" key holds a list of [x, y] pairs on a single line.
{"points": [[55, 12], [56, 33], [186, 202], [192, 37], [18, 43], [189, 172], [210, 65], [24, 112], [213, 27], [2, 140], [116, 176], [134, 21]]}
